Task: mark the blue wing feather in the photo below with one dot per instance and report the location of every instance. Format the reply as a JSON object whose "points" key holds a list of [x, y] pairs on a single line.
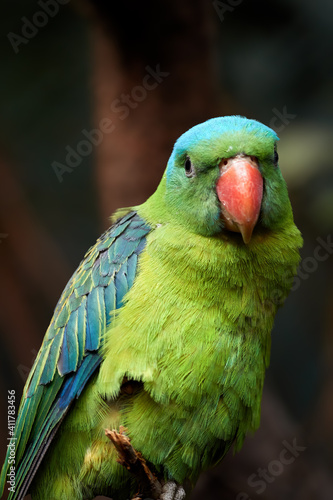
{"points": [[131, 269], [53, 354], [95, 319], [69, 354], [121, 285], [110, 300], [104, 265]]}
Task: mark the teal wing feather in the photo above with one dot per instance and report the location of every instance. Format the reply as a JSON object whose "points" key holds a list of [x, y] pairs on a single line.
{"points": [[69, 354]]}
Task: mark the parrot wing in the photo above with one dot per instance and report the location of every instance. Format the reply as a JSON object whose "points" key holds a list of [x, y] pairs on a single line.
{"points": [[70, 352]]}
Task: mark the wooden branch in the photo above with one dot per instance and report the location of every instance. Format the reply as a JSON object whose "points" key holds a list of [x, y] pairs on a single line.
{"points": [[149, 485]]}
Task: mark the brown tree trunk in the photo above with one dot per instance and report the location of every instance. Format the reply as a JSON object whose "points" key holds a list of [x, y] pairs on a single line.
{"points": [[154, 78]]}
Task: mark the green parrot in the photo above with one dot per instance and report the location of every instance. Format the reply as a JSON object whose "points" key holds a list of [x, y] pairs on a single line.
{"points": [[165, 327]]}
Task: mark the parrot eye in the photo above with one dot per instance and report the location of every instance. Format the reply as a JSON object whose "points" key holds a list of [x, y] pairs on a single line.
{"points": [[276, 157], [189, 169]]}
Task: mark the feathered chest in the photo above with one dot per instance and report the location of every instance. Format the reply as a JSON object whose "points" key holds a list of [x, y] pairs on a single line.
{"points": [[195, 319]]}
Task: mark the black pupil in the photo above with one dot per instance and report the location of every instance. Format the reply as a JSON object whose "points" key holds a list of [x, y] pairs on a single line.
{"points": [[188, 165], [276, 157]]}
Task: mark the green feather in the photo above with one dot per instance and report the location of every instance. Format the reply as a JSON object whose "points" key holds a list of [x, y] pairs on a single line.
{"points": [[176, 307]]}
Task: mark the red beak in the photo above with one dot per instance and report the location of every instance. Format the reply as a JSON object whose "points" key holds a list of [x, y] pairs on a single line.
{"points": [[239, 189]]}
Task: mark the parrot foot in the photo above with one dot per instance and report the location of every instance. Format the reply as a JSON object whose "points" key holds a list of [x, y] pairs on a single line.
{"points": [[135, 463], [172, 491]]}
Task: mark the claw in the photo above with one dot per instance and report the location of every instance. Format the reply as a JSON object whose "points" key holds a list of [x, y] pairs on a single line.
{"points": [[172, 491]]}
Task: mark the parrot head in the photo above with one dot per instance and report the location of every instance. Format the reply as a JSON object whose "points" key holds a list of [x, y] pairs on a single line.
{"points": [[223, 177]]}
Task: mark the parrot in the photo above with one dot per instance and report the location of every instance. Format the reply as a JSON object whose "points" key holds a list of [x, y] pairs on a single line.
{"points": [[165, 327]]}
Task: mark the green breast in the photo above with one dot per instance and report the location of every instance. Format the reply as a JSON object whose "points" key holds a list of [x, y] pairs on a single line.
{"points": [[196, 331]]}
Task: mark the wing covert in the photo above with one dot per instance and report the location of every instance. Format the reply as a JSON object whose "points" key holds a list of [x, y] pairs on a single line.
{"points": [[63, 366]]}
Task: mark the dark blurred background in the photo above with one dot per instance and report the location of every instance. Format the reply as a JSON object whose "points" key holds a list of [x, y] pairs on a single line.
{"points": [[69, 69]]}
